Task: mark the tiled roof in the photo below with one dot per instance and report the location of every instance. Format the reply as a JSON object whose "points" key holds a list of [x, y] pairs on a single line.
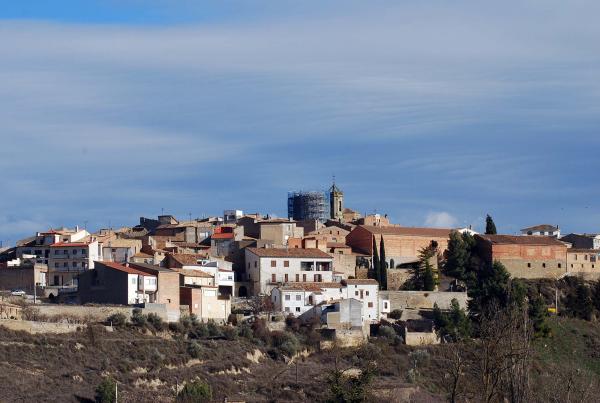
{"points": [[120, 267], [408, 231], [337, 245], [522, 240], [143, 255], [542, 227], [223, 235], [195, 273], [69, 244], [289, 252], [188, 259], [579, 250], [361, 281], [314, 287]]}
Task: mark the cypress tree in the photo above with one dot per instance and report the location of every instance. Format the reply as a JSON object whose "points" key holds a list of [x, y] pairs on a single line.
{"points": [[376, 265], [490, 226], [383, 264]]}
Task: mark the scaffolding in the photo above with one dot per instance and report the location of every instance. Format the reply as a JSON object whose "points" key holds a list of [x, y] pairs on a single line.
{"points": [[312, 205]]}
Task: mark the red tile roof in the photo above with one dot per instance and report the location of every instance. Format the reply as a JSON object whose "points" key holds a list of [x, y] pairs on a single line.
{"points": [[195, 273], [309, 286], [408, 231], [69, 244], [223, 235], [188, 259], [542, 227], [289, 252], [120, 267], [522, 240]]}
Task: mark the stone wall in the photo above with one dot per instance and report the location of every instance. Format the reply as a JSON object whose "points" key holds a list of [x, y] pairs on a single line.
{"points": [[421, 339], [422, 299], [39, 327]]}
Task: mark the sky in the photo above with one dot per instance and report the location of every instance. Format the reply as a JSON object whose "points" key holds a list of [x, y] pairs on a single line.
{"points": [[435, 113]]}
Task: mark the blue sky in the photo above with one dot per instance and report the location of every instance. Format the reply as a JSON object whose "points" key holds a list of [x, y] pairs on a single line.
{"points": [[435, 113]]}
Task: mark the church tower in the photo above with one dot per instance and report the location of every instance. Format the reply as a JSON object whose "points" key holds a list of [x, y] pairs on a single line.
{"points": [[336, 202]]}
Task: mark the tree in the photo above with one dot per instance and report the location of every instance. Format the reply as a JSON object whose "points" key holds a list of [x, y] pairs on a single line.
{"points": [[106, 391], [428, 276], [460, 249], [383, 264], [579, 302], [423, 276], [259, 304], [492, 287], [349, 388], [538, 312], [195, 392], [376, 265], [452, 326], [490, 227]]}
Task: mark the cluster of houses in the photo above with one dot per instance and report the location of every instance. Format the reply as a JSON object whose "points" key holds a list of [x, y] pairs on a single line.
{"points": [[308, 266]]}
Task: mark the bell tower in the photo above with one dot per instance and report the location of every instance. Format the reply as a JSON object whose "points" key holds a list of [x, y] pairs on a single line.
{"points": [[336, 202]]}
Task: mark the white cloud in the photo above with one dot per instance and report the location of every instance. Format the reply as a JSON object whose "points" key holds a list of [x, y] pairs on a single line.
{"points": [[441, 219]]}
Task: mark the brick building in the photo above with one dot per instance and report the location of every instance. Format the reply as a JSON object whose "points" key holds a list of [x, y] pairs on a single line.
{"points": [[525, 256], [402, 244]]}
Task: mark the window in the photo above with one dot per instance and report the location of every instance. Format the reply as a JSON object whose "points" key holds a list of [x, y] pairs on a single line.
{"points": [[528, 264], [304, 277], [273, 278], [255, 264], [356, 293], [544, 265], [367, 293], [66, 264], [370, 305], [287, 308], [74, 251], [74, 264], [287, 297], [586, 257], [273, 263], [385, 305], [132, 280], [297, 278], [298, 297], [571, 265], [286, 263], [286, 278], [84, 251], [55, 264], [248, 264], [559, 265], [297, 309]]}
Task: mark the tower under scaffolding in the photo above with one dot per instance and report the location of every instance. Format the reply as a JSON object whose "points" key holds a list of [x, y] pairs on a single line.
{"points": [[312, 205]]}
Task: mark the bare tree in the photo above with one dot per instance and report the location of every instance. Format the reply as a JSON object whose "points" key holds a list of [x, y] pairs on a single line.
{"points": [[455, 362]]}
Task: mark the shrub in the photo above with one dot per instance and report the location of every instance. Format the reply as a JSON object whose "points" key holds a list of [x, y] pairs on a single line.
{"points": [[261, 332], [105, 392], [197, 391], [194, 350], [213, 329], [292, 323], [395, 314], [245, 331], [199, 331], [156, 322], [177, 327], [388, 332], [117, 319], [286, 342], [230, 332], [138, 319]]}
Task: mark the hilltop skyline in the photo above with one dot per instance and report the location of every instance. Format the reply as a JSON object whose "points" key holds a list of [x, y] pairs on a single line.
{"points": [[431, 114]]}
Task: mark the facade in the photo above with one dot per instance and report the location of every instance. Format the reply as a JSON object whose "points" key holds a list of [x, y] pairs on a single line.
{"points": [[583, 260], [23, 275], [582, 241], [231, 216], [542, 230], [167, 291], [120, 250], [525, 256], [279, 231], [402, 244], [205, 303], [308, 206], [367, 292], [114, 283], [268, 267]]}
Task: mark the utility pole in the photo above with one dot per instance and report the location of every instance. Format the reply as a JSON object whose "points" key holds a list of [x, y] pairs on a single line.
{"points": [[556, 300]]}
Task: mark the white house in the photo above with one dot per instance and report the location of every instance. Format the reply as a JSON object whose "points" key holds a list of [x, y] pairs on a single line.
{"points": [[297, 298], [268, 267], [544, 229]]}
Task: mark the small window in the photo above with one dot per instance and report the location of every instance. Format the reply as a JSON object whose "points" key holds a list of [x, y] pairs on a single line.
{"points": [[297, 309], [83, 251], [571, 265], [132, 280], [529, 265], [287, 297], [273, 278], [370, 305], [287, 308], [74, 251], [273, 263], [286, 263], [298, 297], [559, 265], [255, 264], [55, 264], [286, 277], [367, 293], [385, 305], [356, 293], [297, 278], [65, 264], [544, 265]]}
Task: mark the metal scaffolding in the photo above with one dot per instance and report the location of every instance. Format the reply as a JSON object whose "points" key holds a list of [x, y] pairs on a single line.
{"points": [[313, 205]]}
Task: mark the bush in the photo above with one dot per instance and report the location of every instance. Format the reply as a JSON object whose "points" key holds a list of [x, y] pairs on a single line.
{"points": [[213, 329], [261, 332], [156, 322], [138, 319], [230, 332], [199, 331], [292, 323], [286, 342], [395, 314], [105, 392], [197, 391], [245, 331], [194, 350], [177, 327], [387, 332], [117, 319]]}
